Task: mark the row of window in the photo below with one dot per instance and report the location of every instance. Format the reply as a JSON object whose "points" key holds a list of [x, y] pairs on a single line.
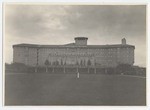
{"points": [[88, 50]]}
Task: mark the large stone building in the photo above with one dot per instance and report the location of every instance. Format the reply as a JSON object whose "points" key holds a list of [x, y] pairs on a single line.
{"points": [[73, 54]]}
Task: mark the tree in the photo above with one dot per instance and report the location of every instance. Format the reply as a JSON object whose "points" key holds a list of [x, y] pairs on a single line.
{"points": [[88, 64], [77, 63], [53, 63], [65, 63], [61, 62], [64, 66], [47, 64], [123, 68], [84, 62], [57, 63], [81, 63], [50, 63]]}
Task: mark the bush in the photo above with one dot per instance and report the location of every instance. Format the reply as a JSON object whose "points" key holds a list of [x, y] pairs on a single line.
{"points": [[125, 68], [16, 67]]}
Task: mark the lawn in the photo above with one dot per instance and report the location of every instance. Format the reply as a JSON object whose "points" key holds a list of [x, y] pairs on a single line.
{"points": [[67, 89]]}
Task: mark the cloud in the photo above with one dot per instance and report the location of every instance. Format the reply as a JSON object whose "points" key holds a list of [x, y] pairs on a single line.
{"points": [[28, 21], [107, 20], [37, 20]]}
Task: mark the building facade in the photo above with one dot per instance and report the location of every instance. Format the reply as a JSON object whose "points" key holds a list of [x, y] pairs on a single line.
{"points": [[74, 54]]}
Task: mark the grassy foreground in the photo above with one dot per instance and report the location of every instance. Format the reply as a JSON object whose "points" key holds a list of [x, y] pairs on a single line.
{"points": [[67, 89]]}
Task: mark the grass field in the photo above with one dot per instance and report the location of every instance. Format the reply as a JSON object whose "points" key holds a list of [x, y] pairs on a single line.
{"points": [[67, 89]]}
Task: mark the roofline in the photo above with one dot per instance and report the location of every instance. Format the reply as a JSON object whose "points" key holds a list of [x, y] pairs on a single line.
{"points": [[73, 46], [81, 38]]}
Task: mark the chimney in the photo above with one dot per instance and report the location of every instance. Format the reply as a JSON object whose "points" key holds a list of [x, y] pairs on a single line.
{"points": [[123, 41], [81, 41]]}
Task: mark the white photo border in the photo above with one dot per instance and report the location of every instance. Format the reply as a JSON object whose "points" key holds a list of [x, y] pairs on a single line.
{"points": [[114, 2]]}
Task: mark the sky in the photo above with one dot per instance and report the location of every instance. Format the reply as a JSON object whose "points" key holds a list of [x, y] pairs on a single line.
{"points": [[59, 24]]}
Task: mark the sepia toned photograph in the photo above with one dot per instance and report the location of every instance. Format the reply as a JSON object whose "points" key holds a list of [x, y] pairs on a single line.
{"points": [[74, 55]]}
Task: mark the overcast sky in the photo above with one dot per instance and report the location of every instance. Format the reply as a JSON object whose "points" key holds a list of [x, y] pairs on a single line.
{"points": [[59, 24]]}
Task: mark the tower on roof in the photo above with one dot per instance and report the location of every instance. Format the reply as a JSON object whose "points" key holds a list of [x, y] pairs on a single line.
{"points": [[81, 41], [123, 41]]}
